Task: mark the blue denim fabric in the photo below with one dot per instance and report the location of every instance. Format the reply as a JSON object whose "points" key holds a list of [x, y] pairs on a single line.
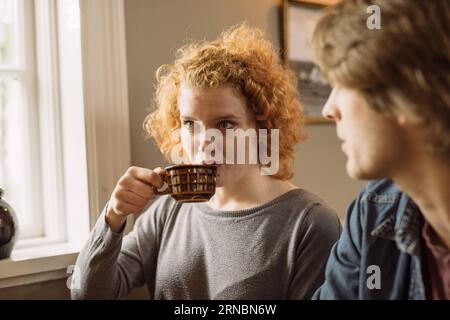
{"points": [[383, 228]]}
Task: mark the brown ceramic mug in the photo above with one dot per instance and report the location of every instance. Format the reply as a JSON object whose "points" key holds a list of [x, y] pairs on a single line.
{"points": [[190, 182]]}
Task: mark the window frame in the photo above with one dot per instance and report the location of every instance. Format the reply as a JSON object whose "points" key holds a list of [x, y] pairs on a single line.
{"points": [[102, 129], [24, 72]]}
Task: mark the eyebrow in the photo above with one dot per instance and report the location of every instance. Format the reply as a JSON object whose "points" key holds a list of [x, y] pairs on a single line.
{"points": [[226, 117]]}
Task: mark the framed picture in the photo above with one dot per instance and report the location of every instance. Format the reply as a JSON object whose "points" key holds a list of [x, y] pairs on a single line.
{"points": [[299, 20]]}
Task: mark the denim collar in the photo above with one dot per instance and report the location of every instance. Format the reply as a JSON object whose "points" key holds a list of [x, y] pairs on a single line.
{"points": [[404, 226]]}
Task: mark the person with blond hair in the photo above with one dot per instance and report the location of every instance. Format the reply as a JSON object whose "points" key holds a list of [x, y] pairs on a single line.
{"points": [[259, 236], [391, 105]]}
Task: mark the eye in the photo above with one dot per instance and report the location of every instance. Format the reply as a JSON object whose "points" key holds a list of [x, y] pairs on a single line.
{"points": [[226, 124], [188, 124]]}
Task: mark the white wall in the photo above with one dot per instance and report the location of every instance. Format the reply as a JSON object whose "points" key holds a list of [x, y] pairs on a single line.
{"points": [[156, 28]]}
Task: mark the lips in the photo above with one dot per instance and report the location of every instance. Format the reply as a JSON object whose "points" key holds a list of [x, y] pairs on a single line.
{"points": [[209, 162], [339, 134], [342, 141]]}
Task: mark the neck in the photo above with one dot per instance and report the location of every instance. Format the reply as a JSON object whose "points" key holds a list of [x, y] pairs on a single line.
{"points": [[427, 182], [251, 190]]}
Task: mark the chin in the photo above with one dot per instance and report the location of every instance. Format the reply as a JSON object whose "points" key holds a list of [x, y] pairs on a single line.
{"points": [[219, 182], [358, 175], [220, 178], [361, 173]]}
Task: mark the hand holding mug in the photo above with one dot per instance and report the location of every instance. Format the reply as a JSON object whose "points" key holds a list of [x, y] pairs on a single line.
{"points": [[138, 186], [134, 190]]}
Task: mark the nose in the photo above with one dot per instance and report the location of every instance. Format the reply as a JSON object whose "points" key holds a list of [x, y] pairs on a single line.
{"points": [[203, 144], [330, 110], [204, 141]]}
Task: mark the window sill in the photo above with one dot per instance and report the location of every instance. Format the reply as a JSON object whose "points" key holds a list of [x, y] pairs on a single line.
{"points": [[39, 264]]}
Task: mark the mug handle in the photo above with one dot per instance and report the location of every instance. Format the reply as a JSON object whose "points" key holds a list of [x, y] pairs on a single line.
{"points": [[157, 192]]}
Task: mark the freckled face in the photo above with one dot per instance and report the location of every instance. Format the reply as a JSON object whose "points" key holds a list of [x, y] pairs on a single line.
{"points": [[218, 108]]}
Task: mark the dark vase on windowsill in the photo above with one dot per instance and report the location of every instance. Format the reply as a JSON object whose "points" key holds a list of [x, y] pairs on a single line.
{"points": [[8, 228]]}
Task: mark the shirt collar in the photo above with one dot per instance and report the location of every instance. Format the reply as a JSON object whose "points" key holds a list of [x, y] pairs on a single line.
{"points": [[404, 226], [434, 244]]}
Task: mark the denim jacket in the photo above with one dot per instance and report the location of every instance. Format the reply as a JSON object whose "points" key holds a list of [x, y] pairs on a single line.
{"points": [[382, 233]]}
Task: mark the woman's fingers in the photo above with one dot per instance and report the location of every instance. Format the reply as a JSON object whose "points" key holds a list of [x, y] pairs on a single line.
{"points": [[147, 176], [135, 189], [138, 187]]}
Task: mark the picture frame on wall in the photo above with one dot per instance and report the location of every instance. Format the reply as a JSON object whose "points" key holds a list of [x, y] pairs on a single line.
{"points": [[299, 20]]}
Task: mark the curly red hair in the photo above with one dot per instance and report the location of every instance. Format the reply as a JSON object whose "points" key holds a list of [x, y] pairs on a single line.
{"points": [[242, 58]]}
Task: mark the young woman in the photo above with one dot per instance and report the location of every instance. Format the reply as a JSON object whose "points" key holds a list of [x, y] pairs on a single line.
{"points": [[259, 236]]}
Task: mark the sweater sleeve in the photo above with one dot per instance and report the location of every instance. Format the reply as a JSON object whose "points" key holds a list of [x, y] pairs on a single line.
{"points": [[343, 268], [110, 265], [318, 233]]}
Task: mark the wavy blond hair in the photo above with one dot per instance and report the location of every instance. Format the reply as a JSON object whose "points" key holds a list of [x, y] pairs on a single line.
{"points": [[401, 69], [244, 59]]}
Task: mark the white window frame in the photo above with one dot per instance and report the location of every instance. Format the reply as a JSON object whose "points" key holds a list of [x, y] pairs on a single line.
{"points": [[90, 170], [51, 140], [25, 73]]}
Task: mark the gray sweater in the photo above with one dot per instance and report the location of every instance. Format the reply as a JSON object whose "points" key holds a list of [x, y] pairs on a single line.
{"points": [[277, 250]]}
